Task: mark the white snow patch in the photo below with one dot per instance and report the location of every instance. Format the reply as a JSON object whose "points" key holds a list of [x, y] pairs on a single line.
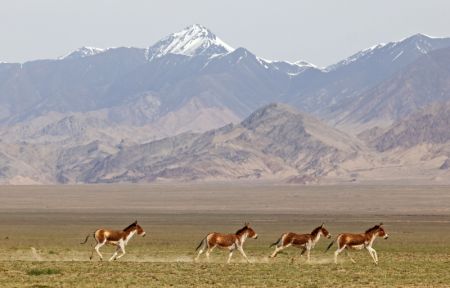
{"points": [[263, 62], [191, 41], [302, 63], [357, 56], [82, 52], [398, 55]]}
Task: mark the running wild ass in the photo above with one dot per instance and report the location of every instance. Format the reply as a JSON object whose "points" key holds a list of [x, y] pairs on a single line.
{"points": [[303, 241], [231, 242], [115, 237], [347, 241]]}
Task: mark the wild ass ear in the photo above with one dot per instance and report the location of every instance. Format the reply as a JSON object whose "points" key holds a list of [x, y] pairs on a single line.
{"points": [[321, 226], [135, 222]]}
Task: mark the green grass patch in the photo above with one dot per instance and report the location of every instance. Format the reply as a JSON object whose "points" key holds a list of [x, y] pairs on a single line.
{"points": [[43, 271]]}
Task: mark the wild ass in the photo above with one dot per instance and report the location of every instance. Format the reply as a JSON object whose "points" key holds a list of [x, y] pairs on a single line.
{"points": [[115, 237], [359, 241], [304, 241], [231, 242]]}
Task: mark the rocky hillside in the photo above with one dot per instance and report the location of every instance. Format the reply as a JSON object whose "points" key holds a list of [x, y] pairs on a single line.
{"points": [[416, 148], [427, 126], [146, 114], [275, 142], [423, 82]]}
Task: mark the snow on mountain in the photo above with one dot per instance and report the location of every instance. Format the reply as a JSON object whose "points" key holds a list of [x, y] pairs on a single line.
{"points": [[73, 120], [412, 46], [425, 81], [291, 69], [302, 63], [194, 40], [357, 56], [84, 51]]}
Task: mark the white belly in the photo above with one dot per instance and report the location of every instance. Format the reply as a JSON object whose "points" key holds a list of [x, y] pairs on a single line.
{"points": [[357, 247]]}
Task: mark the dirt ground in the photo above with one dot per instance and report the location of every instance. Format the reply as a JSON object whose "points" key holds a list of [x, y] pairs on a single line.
{"points": [[226, 197], [41, 227]]}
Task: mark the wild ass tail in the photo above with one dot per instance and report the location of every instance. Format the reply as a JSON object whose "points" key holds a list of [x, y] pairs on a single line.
{"points": [[276, 242], [329, 246], [201, 243], [85, 240]]}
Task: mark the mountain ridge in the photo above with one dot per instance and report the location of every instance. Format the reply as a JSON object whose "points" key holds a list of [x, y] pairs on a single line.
{"points": [[239, 151], [86, 108]]}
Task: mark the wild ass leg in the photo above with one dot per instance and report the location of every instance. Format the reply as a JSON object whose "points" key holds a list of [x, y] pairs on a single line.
{"points": [[277, 250], [301, 254], [92, 253], [113, 257], [373, 253], [203, 248], [308, 254], [337, 252], [348, 254], [122, 247], [308, 247], [198, 255], [208, 251], [229, 255], [200, 252], [97, 248], [243, 253]]}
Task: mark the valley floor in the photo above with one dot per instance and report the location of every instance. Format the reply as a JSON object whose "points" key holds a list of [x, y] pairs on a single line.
{"points": [[41, 227]]}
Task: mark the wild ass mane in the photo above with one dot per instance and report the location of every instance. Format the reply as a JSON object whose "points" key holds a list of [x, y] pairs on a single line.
{"points": [[316, 230], [374, 228], [238, 232], [130, 226]]}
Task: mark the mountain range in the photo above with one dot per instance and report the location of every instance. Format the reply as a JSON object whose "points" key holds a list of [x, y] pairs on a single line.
{"points": [[191, 107]]}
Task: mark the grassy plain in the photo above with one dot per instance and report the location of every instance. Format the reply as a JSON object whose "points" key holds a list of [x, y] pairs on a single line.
{"points": [[41, 228]]}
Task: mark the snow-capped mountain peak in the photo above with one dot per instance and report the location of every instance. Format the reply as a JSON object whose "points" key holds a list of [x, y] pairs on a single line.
{"points": [[421, 42], [408, 48], [193, 40], [82, 52]]}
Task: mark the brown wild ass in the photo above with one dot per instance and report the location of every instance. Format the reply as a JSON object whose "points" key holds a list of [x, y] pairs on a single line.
{"points": [[115, 237], [359, 241], [304, 241], [226, 241]]}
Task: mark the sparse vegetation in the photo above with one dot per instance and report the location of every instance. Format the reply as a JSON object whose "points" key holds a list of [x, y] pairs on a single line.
{"points": [[417, 254], [409, 259], [44, 271]]}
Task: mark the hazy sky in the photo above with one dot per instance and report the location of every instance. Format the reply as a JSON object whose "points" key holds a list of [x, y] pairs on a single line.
{"points": [[321, 32]]}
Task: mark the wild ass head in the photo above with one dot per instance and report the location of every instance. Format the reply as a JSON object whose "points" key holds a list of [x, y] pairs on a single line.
{"points": [[247, 229], [378, 230], [321, 230], [135, 227]]}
